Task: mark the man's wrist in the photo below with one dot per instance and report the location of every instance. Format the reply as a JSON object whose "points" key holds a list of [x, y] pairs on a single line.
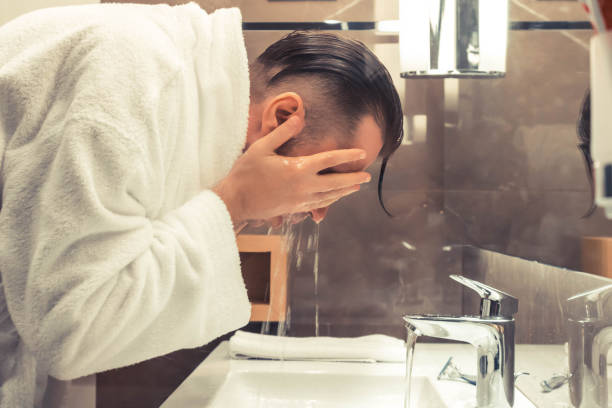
{"points": [[226, 194]]}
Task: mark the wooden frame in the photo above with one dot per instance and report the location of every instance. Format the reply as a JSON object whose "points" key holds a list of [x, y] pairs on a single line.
{"points": [[597, 255], [276, 309]]}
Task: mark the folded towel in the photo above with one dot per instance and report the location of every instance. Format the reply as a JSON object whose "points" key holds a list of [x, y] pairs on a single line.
{"points": [[372, 348]]}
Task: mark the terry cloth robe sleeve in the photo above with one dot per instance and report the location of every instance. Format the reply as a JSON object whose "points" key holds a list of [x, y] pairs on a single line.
{"points": [[95, 275], [108, 286]]}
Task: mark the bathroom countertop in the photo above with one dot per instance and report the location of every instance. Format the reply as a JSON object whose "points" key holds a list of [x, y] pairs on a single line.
{"points": [[541, 361]]}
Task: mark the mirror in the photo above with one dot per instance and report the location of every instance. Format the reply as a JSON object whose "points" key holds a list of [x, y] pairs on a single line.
{"points": [[453, 38]]}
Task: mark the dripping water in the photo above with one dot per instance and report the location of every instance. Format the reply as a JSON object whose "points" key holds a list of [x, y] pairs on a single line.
{"points": [[300, 243], [411, 339], [313, 245]]}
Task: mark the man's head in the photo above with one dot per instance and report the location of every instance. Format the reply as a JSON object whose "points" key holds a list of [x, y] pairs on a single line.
{"points": [[341, 90]]}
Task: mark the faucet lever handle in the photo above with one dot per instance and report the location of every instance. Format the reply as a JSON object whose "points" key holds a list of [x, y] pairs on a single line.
{"points": [[493, 302], [591, 304]]}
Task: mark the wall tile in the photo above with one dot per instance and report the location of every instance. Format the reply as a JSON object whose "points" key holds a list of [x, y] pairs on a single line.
{"points": [[264, 10], [538, 10], [541, 290], [540, 225], [373, 269], [512, 133]]}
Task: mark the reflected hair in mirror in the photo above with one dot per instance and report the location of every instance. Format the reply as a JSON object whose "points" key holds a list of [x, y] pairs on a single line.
{"points": [[583, 130]]}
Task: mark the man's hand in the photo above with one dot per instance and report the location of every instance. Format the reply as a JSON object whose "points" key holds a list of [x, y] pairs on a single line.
{"points": [[263, 185]]}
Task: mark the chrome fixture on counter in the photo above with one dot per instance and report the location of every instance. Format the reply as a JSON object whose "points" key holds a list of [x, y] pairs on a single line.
{"points": [[453, 38], [554, 382], [589, 337], [492, 333], [450, 372]]}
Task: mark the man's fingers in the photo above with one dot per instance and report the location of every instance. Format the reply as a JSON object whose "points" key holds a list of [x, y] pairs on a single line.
{"points": [[297, 217], [275, 139], [332, 158], [319, 214], [327, 198], [336, 181], [336, 194], [328, 202]]}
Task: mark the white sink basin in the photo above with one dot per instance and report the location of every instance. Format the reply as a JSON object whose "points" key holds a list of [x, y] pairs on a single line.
{"points": [[320, 390], [220, 382]]}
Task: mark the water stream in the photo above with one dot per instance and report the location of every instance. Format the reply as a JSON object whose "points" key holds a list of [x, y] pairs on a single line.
{"points": [[313, 245], [301, 244], [411, 339]]}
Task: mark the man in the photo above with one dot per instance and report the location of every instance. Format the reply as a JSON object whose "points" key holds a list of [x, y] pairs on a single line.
{"points": [[134, 144]]}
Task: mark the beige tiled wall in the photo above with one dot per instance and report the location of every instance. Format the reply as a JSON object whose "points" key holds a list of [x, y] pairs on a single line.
{"points": [[501, 172], [265, 10], [542, 291]]}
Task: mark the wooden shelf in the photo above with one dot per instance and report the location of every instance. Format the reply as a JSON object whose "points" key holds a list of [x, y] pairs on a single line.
{"points": [[264, 268], [597, 255]]}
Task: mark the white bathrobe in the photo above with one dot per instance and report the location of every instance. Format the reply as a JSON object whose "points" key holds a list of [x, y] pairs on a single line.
{"points": [[115, 121]]}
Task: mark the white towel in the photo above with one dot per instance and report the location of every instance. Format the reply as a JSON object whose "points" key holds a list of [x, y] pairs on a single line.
{"points": [[372, 348], [115, 120]]}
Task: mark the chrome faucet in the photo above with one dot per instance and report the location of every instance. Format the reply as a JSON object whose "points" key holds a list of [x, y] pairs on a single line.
{"points": [[492, 333], [589, 338]]}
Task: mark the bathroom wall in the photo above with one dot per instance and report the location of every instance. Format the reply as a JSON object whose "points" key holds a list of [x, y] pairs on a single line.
{"points": [[542, 291], [11, 9], [496, 167]]}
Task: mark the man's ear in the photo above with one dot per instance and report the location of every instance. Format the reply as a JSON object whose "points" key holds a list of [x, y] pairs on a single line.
{"points": [[280, 108]]}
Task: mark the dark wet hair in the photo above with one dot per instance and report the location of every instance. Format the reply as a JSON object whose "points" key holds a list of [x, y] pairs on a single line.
{"points": [[349, 73], [584, 139]]}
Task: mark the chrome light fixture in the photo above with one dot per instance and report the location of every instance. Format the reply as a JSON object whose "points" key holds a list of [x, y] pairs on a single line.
{"points": [[453, 38]]}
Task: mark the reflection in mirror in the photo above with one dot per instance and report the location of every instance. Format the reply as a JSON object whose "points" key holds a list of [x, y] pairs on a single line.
{"points": [[453, 38], [589, 319]]}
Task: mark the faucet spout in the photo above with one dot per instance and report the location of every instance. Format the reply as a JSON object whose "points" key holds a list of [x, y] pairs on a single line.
{"points": [[493, 338], [492, 333]]}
